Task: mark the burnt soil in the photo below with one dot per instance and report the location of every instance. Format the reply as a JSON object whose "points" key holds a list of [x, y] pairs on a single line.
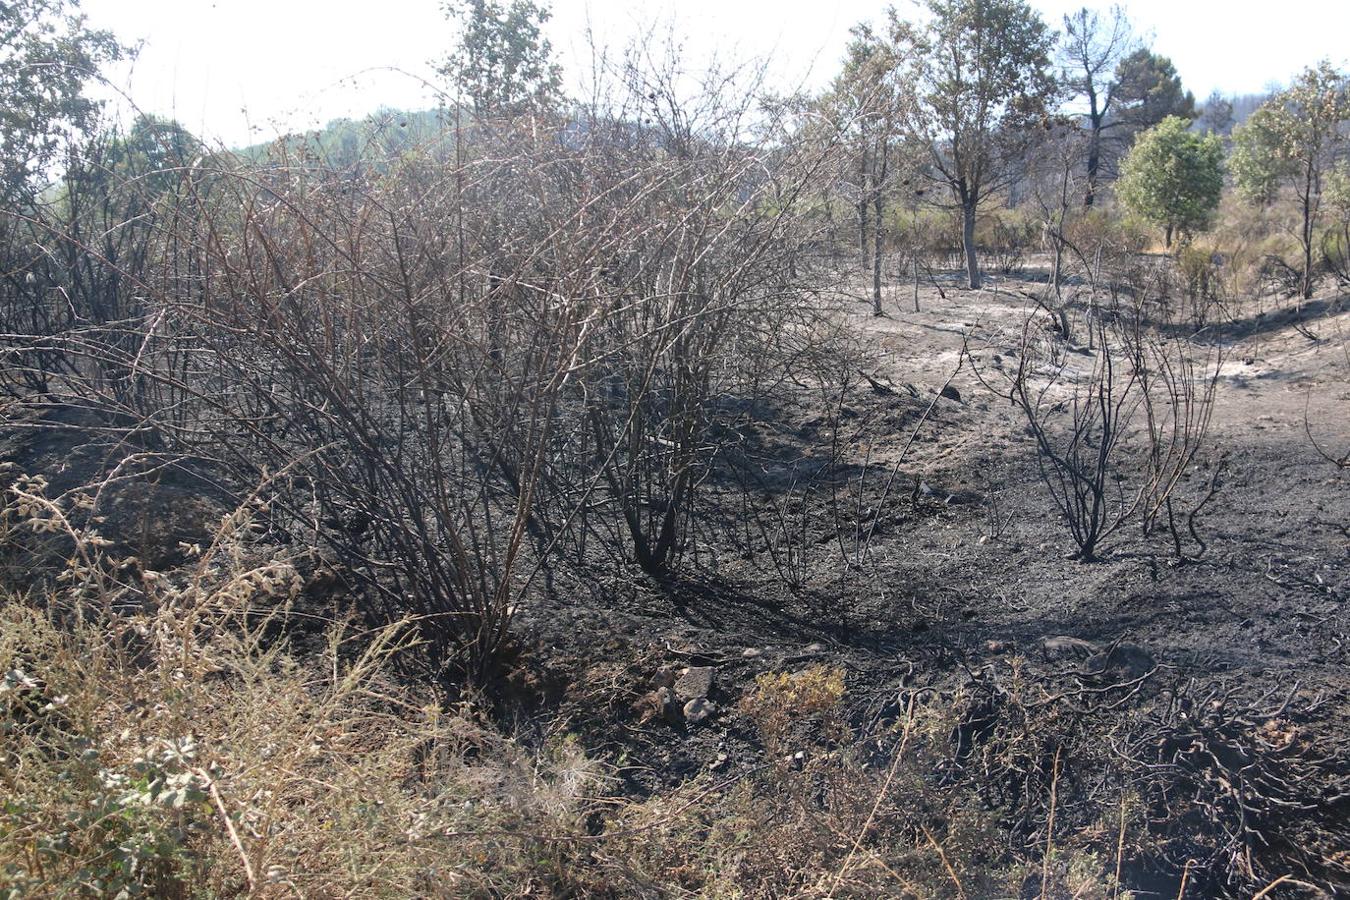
{"points": [[970, 574]]}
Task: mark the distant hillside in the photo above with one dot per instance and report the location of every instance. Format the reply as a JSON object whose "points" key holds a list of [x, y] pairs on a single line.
{"points": [[344, 142]]}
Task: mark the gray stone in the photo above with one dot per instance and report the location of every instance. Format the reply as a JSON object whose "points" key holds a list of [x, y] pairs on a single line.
{"points": [[665, 676], [698, 710], [694, 683]]}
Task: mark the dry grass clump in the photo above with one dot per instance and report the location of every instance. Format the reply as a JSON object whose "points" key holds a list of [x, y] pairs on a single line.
{"points": [[253, 773], [175, 748], [885, 811], [137, 766]]}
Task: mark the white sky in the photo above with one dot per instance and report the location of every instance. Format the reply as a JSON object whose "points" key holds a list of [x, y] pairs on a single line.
{"points": [[246, 70]]}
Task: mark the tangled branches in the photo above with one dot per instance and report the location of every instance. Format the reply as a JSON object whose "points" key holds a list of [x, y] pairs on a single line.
{"points": [[1239, 788]]}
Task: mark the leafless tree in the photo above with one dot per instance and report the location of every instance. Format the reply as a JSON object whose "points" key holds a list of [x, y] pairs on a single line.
{"points": [[1118, 436], [1092, 46]]}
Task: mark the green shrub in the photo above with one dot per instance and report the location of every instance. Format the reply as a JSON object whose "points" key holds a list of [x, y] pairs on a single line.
{"points": [[1173, 178], [1335, 252]]}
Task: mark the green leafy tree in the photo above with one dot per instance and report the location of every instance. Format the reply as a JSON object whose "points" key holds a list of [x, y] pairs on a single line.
{"points": [[156, 151], [982, 79], [1290, 142], [1336, 239], [1148, 90], [1338, 190], [47, 55], [503, 63], [1173, 177]]}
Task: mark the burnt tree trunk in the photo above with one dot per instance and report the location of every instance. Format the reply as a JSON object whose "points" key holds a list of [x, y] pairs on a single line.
{"points": [[1309, 199]]}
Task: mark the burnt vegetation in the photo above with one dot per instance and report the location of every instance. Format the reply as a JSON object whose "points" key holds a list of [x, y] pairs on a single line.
{"points": [[680, 489]]}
